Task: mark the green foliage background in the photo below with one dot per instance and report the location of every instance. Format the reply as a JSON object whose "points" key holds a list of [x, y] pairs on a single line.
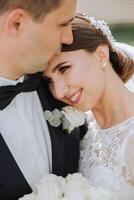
{"points": [[124, 33]]}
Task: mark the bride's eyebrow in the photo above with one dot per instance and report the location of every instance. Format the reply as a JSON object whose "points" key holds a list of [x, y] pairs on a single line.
{"points": [[58, 66]]}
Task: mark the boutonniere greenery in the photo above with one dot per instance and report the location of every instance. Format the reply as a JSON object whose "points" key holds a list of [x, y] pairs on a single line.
{"points": [[68, 117]]}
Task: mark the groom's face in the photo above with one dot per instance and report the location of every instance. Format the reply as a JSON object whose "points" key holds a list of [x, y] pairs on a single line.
{"points": [[46, 37], [32, 43]]}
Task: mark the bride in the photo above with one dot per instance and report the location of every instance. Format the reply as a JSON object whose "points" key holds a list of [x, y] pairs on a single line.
{"points": [[90, 74]]}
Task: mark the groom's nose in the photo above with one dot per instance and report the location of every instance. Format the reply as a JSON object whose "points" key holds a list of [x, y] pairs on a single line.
{"points": [[67, 35]]}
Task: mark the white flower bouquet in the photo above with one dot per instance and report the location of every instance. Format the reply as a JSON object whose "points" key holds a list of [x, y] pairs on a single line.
{"points": [[73, 187]]}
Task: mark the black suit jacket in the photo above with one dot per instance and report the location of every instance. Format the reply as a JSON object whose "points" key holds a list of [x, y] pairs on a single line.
{"points": [[65, 154]]}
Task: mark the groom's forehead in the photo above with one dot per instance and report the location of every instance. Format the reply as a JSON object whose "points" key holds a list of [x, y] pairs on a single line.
{"points": [[65, 13]]}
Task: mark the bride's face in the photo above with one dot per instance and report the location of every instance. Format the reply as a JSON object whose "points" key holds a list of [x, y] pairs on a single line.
{"points": [[77, 78]]}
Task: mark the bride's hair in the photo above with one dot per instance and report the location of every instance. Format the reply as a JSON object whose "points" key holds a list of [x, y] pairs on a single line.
{"points": [[87, 37]]}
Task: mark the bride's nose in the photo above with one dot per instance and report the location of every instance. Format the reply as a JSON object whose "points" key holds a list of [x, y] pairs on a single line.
{"points": [[60, 89]]}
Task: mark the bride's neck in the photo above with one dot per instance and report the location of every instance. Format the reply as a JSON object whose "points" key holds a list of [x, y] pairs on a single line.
{"points": [[115, 106]]}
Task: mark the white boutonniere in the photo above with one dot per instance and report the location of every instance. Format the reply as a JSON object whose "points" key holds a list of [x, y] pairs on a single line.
{"points": [[68, 117]]}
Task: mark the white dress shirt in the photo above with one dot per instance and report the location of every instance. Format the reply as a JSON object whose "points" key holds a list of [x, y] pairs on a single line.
{"points": [[25, 131]]}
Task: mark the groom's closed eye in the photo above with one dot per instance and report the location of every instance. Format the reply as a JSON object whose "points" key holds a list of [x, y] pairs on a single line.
{"points": [[67, 23]]}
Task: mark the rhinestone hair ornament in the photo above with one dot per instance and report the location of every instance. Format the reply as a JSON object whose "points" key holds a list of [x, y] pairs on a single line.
{"points": [[100, 25]]}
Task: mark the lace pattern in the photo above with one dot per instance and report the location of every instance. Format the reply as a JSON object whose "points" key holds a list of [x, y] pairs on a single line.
{"points": [[101, 155]]}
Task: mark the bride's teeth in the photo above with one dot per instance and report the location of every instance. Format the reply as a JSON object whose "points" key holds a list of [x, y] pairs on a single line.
{"points": [[75, 96]]}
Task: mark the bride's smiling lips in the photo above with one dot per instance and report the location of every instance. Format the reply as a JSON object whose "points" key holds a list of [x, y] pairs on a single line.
{"points": [[75, 97]]}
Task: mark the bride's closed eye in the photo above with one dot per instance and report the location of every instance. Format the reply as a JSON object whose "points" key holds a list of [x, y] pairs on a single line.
{"points": [[64, 68], [60, 69]]}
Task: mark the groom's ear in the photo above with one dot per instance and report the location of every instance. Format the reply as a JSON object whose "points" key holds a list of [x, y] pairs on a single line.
{"points": [[14, 22], [103, 52]]}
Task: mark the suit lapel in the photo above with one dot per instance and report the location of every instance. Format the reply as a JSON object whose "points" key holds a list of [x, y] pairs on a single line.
{"points": [[65, 147], [12, 182], [56, 134]]}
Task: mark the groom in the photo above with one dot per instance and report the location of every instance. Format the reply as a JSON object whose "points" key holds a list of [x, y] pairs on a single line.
{"points": [[31, 32]]}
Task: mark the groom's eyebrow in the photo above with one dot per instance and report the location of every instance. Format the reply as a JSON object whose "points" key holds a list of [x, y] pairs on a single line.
{"points": [[67, 22], [58, 66]]}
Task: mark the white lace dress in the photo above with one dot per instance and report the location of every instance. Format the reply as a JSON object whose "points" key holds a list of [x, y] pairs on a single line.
{"points": [[107, 158]]}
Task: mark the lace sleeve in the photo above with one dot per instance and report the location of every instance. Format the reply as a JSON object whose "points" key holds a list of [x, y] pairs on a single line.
{"points": [[128, 157]]}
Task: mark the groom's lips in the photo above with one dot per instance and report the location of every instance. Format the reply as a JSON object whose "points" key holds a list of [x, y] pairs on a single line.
{"points": [[75, 98]]}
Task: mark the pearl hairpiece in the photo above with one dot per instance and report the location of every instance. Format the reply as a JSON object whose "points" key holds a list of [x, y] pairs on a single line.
{"points": [[101, 25]]}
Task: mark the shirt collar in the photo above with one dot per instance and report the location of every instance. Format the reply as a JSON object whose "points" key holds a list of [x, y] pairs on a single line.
{"points": [[6, 82]]}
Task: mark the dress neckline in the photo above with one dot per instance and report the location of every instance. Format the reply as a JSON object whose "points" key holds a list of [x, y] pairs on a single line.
{"points": [[117, 126]]}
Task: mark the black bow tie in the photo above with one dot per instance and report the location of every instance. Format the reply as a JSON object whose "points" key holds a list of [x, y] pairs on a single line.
{"points": [[7, 93]]}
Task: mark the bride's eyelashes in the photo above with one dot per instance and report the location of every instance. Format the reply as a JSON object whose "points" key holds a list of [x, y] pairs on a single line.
{"points": [[64, 68], [61, 70]]}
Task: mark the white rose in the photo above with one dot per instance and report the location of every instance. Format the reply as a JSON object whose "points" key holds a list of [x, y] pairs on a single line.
{"points": [[50, 188], [72, 118], [73, 187], [76, 187]]}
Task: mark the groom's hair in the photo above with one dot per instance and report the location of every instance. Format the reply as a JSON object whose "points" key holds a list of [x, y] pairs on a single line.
{"points": [[36, 8]]}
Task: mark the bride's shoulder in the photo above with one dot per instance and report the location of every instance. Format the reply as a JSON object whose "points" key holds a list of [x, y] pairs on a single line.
{"points": [[127, 152], [129, 127], [127, 131], [128, 142]]}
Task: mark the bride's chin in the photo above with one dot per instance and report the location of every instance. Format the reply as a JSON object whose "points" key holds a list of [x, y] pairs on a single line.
{"points": [[82, 108]]}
